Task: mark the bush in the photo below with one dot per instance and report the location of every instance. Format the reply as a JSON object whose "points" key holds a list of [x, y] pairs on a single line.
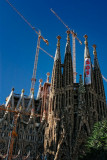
{"points": [[97, 143]]}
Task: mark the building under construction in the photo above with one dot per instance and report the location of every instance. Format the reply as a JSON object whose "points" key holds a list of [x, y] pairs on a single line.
{"points": [[56, 124]]}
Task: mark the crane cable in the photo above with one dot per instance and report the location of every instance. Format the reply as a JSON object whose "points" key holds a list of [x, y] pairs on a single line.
{"points": [[22, 16], [60, 19], [46, 52], [104, 78]]}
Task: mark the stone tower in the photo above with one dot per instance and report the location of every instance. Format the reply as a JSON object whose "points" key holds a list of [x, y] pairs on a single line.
{"points": [[100, 104], [59, 132], [73, 107]]}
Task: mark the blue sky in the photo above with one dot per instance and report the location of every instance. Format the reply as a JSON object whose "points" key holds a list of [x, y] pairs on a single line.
{"points": [[18, 41]]}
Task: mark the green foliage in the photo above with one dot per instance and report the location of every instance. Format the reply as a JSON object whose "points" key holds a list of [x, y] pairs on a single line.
{"points": [[97, 143], [98, 139]]}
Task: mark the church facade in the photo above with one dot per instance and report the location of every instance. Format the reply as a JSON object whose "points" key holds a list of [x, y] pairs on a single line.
{"points": [[77, 105], [61, 117]]}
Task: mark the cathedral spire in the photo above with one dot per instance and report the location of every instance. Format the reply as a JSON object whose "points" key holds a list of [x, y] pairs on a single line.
{"points": [[96, 65], [86, 51], [94, 51], [57, 54], [68, 47], [56, 73], [87, 63], [97, 73], [68, 69], [48, 74]]}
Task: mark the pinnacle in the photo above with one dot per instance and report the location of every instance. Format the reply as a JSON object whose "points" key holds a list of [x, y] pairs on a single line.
{"points": [[68, 47], [86, 51], [94, 50], [57, 54]]}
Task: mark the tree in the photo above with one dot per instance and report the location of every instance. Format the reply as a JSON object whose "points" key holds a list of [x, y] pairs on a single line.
{"points": [[97, 143]]}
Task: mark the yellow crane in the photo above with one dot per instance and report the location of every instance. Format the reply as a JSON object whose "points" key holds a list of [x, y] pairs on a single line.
{"points": [[33, 80]]}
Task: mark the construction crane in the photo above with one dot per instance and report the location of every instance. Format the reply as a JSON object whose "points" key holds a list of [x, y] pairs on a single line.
{"points": [[74, 36], [33, 80], [13, 134]]}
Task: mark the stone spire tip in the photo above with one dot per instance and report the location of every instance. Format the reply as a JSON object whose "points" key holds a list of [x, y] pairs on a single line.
{"points": [[48, 74], [13, 89], [23, 90], [40, 81], [68, 33], [94, 50], [58, 43], [85, 36], [86, 42], [94, 46]]}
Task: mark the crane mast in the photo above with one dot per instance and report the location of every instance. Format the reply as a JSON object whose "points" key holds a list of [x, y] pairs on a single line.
{"points": [[74, 36], [33, 80], [13, 134]]}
